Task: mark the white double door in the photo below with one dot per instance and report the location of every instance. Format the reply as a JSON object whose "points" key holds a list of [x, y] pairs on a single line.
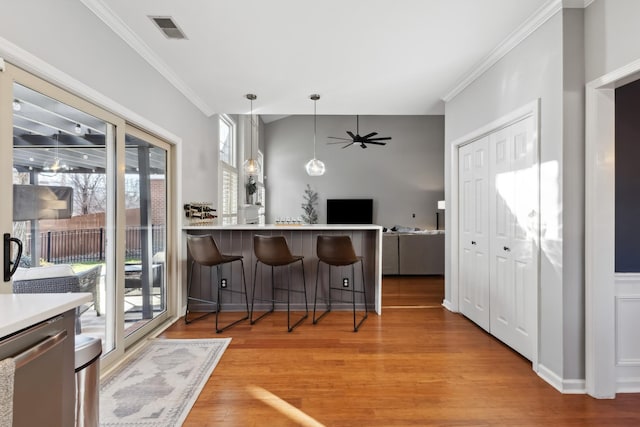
{"points": [[499, 199]]}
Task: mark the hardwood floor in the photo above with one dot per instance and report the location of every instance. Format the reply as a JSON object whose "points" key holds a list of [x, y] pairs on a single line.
{"points": [[417, 364]]}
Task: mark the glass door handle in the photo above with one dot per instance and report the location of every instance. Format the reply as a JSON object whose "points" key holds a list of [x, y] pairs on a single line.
{"points": [[9, 265]]}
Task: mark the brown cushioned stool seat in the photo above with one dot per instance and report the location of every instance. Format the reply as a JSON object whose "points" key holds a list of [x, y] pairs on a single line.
{"points": [[273, 251], [337, 251], [205, 253]]}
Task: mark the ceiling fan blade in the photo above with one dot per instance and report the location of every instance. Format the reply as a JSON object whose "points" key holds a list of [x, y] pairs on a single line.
{"points": [[370, 135], [341, 139], [381, 138], [376, 143], [348, 145], [351, 134]]}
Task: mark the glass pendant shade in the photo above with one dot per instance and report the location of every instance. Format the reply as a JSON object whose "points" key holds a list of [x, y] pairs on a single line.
{"points": [[315, 167], [251, 167], [54, 165]]}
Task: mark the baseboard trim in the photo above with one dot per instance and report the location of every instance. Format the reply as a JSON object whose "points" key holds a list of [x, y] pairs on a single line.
{"points": [[562, 385], [628, 386], [447, 304]]}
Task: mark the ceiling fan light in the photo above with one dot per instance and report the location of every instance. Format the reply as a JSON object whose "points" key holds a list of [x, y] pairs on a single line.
{"points": [[315, 167]]}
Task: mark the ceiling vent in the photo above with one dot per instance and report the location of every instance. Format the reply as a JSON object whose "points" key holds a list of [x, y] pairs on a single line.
{"points": [[168, 27]]}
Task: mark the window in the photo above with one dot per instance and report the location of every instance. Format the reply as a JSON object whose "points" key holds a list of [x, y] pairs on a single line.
{"points": [[227, 142], [261, 190], [228, 173]]}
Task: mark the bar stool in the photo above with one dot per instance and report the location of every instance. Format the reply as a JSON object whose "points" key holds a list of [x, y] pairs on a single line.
{"points": [[274, 252], [204, 252], [337, 251]]}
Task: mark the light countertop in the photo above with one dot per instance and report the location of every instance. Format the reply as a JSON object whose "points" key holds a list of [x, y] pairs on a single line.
{"points": [[285, 227], [19, 311]]}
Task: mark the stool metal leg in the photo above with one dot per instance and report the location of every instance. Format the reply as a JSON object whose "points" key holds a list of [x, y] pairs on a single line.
{"points": [[244, 281], [253, 296], [324, 313], [190, 298], [364, 295], [306, 306]]}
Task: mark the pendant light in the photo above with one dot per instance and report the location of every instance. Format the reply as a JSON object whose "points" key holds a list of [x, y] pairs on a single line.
{"points": [[314, 166], [55, 165], [251, 166]]}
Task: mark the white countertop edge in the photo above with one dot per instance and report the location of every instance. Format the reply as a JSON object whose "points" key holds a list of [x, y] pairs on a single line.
{"points": [[285, 227], [20, 311]]}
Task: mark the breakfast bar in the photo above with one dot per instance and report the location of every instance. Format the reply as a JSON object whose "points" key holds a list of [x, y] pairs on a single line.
{"points": [[301, 238]]}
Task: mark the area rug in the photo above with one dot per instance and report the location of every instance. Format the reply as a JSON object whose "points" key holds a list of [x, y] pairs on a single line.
{"points": [[160, 383]]}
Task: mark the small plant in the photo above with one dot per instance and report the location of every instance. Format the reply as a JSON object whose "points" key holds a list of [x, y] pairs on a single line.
{"points": [[251, 188], [310, 197]]}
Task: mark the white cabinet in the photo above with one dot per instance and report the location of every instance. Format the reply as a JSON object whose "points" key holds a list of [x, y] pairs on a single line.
{"points": [[499, 198]]}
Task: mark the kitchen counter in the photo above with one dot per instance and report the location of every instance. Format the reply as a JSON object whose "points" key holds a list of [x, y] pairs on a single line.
{"points": [[19, 311], [238, 240], [312, 227]]}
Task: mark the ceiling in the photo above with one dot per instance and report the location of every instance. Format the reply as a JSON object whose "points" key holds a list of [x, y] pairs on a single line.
{"points": [[45, 129], [391, 57]]}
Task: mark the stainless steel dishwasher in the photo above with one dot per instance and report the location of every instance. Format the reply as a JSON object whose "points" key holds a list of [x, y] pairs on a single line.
{"points": [[43, 356]]}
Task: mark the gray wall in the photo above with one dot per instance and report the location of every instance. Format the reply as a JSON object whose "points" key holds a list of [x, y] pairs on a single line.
{"points": [[404, 177], [72, 39], [536, 69]]}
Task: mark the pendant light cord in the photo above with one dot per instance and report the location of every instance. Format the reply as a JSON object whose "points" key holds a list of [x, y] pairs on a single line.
{"points": [[251, 126], [314, 128]]}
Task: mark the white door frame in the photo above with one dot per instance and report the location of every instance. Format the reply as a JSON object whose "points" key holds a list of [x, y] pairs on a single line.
{"points": [[600, 293], [530, 109]]}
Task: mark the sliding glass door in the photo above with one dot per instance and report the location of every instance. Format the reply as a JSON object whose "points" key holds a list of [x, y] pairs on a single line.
{"points": [[88, 197], [146, 198]]}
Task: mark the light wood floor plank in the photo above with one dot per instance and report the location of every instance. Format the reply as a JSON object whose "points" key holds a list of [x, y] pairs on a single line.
{"points": [[410, 366]]}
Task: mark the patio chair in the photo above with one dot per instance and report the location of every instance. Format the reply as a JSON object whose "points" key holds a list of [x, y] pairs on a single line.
{"points": [[60, 279]]}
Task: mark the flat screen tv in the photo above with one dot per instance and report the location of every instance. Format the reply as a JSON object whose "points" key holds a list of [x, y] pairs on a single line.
{"points": [[349, 211]]}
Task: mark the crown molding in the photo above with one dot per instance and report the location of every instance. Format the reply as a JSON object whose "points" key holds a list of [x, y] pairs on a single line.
{"points": [[102, 11], [541, 16]]}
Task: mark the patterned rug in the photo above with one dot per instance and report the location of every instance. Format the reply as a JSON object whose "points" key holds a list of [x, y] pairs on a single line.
{"points": [[160, 383]]}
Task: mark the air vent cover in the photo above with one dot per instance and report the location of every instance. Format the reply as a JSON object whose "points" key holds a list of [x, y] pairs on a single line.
{"points": [[168, 27]]}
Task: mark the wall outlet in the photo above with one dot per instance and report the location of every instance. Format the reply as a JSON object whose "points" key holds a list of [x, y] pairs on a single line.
{"points": [[345, 282], [223, 283]]}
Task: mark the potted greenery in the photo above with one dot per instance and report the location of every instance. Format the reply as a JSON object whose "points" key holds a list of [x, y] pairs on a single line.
{"points": [[251, 188]]}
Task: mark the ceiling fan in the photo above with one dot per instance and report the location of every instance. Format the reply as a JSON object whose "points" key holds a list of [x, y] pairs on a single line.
{"points": [[362, 140]]}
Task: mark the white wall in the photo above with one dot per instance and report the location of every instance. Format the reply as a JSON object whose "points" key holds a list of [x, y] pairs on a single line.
{"points": [[611, 36], [66, 35], [534, 69], [405, 177]]}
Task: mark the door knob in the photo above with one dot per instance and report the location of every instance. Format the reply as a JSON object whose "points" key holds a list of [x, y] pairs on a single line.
{"points": [[506, 248], [473, 242]]}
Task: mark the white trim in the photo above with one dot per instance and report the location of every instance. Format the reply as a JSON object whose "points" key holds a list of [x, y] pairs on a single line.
{"points": [[447, 304], [563, 386], [530, 109], [576, 4], [1, 65], [600, 278], [536, 20], [628, 385], [113, 21]]}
